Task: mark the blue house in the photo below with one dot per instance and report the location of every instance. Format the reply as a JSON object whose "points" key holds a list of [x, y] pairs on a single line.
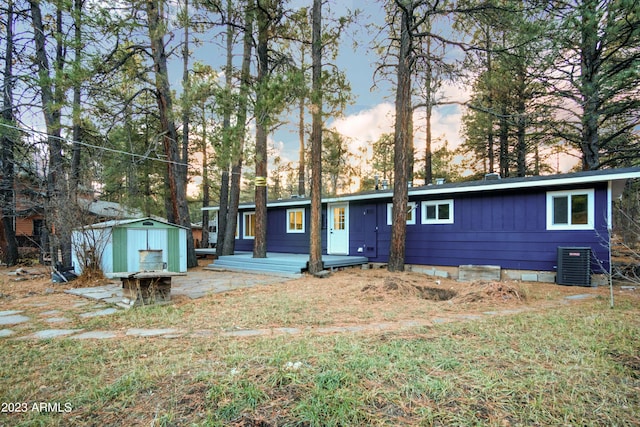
{"points": [[517, 224]]}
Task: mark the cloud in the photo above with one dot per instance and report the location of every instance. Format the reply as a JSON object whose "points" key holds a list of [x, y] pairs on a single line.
{"points": [[362, 129]]}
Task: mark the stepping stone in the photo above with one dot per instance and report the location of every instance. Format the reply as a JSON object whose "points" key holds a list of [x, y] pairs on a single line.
{"points": [[580, 296], [98, 335], [10, 312], [12, 320], [104, 312], [52, 333], [150, 332], [6, 333]]}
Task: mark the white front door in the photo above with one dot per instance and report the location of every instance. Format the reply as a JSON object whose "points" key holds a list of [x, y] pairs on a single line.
{"points": [[338, 229]]}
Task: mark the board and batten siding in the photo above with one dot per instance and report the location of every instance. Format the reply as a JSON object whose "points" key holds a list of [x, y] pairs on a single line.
{"points": [[499, 227], [278, 240], [505, 228]]}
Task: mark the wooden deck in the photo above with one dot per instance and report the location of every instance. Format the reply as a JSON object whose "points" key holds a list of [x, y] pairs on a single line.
{"points": [[281, 263]]}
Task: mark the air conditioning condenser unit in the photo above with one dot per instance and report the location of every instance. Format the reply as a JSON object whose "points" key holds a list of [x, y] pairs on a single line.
{"points": [[574, 266]]}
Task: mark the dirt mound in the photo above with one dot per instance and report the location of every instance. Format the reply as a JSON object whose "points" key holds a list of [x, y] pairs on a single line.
{"points": [[494, 291], [397, 287]]}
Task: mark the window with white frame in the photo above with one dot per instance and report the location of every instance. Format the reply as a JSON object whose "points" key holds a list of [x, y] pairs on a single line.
{"points": [[570, 210], [295, 220], [248, 225], [437, 212], [411, 213]]}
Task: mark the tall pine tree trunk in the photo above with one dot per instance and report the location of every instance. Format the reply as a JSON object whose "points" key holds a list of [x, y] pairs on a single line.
{"points": [[402, 143], [260, 240], [315, 245], [205, 182], [52, 99], [224, 246], [590, 85], [8, 242], [240, 131], [301, 153], [77, 100], [176, 179]]}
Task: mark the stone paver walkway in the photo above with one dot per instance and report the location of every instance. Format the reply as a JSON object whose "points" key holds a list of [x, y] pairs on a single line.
{"points": [[194, 285], [103, 301], [195, 288]]}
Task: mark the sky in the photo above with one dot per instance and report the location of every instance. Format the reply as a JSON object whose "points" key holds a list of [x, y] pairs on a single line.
{"points": [[372, 112]]}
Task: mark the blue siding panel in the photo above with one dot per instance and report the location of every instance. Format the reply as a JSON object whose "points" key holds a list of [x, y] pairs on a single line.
{"points": [[278, 240], [505, 228]]}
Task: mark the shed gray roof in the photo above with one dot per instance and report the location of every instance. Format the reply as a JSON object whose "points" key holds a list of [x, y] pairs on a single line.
{"points": [[120, 222]]}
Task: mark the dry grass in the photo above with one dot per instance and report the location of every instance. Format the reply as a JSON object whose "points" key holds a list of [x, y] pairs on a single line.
{"points": [[553, 363]]}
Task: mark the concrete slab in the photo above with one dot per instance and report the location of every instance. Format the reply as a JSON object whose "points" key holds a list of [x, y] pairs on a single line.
{"points": [[468, 273], [52, 333], [96, 335], [579, 297], [104, 312], [10, 312], [111, 293], [13, 319], [151, 332], [6, 333], [529, 277], [194, 285]]}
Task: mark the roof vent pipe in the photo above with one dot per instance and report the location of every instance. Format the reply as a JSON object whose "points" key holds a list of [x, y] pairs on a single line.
{"points": [[492, 176], [440, 181]]}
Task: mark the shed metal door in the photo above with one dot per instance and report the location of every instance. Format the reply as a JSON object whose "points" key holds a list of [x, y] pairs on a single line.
{"points": [[141, 239]]}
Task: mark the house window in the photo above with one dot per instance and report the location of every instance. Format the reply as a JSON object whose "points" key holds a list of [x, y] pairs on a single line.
{"points": [[411, 213], [248, 225], [437, 212], [295, 220], [570, 210]]}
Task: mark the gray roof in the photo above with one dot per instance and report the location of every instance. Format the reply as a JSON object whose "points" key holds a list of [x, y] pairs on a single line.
{"points": [[120, 222], [109, 209], [616, 176]]}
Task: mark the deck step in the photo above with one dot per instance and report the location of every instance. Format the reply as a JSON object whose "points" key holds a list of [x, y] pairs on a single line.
{"points": [[280, 263]]}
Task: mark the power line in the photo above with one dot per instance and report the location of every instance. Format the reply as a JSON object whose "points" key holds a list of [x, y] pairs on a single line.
{"points": [[85, 144]]}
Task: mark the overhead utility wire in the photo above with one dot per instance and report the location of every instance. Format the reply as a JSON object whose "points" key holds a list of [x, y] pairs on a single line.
{"points": [[113, 150]]}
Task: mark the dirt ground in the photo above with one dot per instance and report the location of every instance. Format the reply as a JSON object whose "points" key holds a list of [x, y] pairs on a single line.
{"points": [[343, 296]]}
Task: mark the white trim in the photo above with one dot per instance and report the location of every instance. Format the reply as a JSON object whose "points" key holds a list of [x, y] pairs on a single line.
{"points": [[590, 193], [244, 225], [436, 203], [287, 225], [411, 208]]}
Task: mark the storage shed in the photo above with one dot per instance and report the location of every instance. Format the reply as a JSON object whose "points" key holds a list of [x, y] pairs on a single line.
{"points": [[118, 244]]}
